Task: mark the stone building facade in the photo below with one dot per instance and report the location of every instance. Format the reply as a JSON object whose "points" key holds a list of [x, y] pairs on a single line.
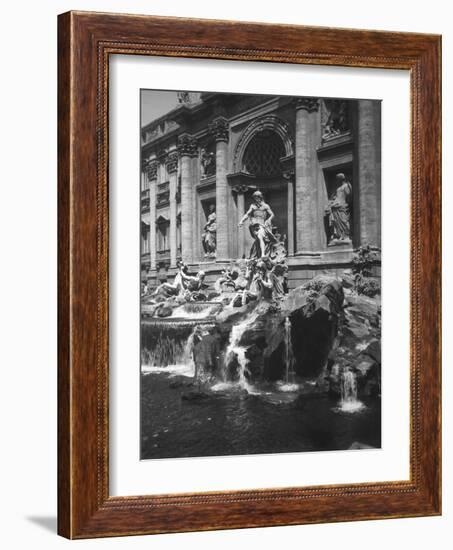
{"points": [[212, 151]]}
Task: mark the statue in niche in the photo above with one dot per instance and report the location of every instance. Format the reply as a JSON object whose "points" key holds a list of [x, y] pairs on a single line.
{"points": [[209, 236], [207, 161], [260, 218], [337, 120], [338, 211]]}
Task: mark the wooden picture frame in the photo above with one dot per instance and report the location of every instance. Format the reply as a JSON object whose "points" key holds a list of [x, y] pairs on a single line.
{"points": [[85, 41]]}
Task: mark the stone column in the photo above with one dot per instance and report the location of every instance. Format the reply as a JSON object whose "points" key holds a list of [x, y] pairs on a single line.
{"points": [[152, 184], [220, 129], [172, 169], [289, 176], [368, 153], [187, 149], [196, 233], [305, 180]]}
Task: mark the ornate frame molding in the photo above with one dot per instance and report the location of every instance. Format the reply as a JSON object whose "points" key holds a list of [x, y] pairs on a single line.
{"points": [[85, 508]]}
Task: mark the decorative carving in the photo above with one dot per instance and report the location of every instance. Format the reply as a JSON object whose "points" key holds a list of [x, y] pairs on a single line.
{"points": [[151, 167], [187, 145], [289, 174], [183, 97], [268, 122], [309, 104], [163, 198], [240, 188], [162, 127], [187, 98], [335, 118], [151, 134], [172, 162], [219, 128]]}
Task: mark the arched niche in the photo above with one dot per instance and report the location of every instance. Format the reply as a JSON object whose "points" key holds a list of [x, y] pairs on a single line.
{"points": [[261, 160]]}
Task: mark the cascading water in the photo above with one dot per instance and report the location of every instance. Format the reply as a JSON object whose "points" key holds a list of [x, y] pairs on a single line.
{"points": [[289, 382], [188, 351], [194, 311], [235, 350], [168, 348], [349, 401]]}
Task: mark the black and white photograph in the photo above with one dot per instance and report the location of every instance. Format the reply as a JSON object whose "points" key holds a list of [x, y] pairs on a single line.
{"points": [[260, 274], [233, 220]]}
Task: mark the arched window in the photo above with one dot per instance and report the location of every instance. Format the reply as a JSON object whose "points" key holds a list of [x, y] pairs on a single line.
{"points": [[263, 153]]}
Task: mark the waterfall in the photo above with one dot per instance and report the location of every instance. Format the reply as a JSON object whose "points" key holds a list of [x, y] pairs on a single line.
{"points": [[349, 401], [289, 383], [234, 349], [188, 350], [195, 311], [166, 351], [289, 356], [168, 347]]}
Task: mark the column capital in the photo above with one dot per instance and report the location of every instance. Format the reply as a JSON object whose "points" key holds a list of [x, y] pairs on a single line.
{"points": [[309, 104], [219, 128], [290, 175], [187, 145], [171, 162]]}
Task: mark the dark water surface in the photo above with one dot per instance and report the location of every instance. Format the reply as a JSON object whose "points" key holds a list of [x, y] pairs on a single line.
{"points": [[234, 422]]}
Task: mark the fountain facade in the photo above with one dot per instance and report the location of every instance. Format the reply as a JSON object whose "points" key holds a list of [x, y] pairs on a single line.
{"points": [[253, 225], [247, 329]]}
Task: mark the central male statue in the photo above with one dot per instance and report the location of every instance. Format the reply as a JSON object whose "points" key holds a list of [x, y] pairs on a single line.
{"points": [[260, 218]]}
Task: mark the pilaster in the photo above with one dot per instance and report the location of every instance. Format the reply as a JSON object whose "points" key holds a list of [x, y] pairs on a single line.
{"points": [[306, 174], [187, 149], [219, 128], [171, 162]]}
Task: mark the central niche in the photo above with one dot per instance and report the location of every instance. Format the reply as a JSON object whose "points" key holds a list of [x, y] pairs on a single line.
{"points": [[261, 159]]}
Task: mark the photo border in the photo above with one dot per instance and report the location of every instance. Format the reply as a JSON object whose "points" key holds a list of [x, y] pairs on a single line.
{"points": [[86, 40]]}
